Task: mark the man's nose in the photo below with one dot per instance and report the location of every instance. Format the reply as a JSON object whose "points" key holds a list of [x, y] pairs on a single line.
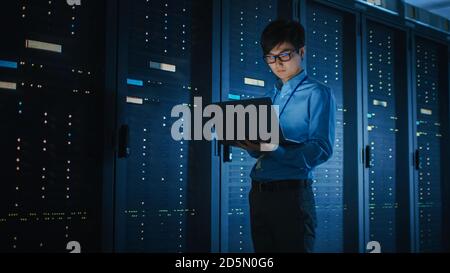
{"points": [[279, 62]]}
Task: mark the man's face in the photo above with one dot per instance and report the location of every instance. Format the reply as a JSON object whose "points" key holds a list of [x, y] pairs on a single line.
{"points": [[285, 70]]}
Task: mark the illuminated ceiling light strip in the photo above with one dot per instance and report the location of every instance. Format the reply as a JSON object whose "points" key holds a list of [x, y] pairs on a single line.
{"points": [[43, 46]]}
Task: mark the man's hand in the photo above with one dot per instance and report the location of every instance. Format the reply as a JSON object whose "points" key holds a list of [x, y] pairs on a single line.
{"points": [[252, 147], [247, 145]]}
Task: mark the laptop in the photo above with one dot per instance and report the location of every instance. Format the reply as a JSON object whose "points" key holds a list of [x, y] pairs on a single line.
{"points": [[231, 121]]}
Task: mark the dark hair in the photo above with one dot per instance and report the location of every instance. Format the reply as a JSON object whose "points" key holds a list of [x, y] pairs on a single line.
{"points": [[280, 31]]}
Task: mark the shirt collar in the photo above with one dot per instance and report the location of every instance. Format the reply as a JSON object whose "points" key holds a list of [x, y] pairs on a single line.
{"points": [[292, 83]]}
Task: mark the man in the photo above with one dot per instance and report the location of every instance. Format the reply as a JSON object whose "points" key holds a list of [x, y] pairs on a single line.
{"points": [[282, 206]]}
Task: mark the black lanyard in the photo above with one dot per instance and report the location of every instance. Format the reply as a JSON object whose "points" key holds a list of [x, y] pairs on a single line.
{"points": [[290, 97]]}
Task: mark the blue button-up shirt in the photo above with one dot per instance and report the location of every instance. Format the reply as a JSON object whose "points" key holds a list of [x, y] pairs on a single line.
{"points": [[309, 119]]}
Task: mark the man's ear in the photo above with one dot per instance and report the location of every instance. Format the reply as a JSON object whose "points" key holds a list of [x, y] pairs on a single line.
{"points": [[302, 52]]}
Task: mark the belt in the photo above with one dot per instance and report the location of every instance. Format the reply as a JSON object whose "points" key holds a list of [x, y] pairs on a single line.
{"points": [[280, 185]]}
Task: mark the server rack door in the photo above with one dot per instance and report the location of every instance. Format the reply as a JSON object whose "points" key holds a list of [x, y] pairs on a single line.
{"points": [[331, 59], [431, 92], [163, 186], [386, 151], [244, 75], [51, 97]]}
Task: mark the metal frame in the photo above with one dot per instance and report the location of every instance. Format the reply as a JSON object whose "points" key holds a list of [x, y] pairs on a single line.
{"points": [[361, 140], [414, 237], [224, 85], [446, 188], [365, 140], [121, 163], [110, 100], [216, 180]]}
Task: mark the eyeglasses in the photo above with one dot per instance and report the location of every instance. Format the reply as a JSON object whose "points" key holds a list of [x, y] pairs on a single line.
{"points": [[284, 57]]}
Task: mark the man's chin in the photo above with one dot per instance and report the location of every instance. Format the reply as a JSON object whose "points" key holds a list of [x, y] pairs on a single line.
{"points": [[281, 75]]}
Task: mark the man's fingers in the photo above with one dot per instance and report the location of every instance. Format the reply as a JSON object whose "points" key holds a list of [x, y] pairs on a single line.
{"points": [[252, 145], [240, 145]]}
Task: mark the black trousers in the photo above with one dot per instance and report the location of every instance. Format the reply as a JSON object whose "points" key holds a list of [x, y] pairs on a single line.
{"points": [[283, 220]]}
